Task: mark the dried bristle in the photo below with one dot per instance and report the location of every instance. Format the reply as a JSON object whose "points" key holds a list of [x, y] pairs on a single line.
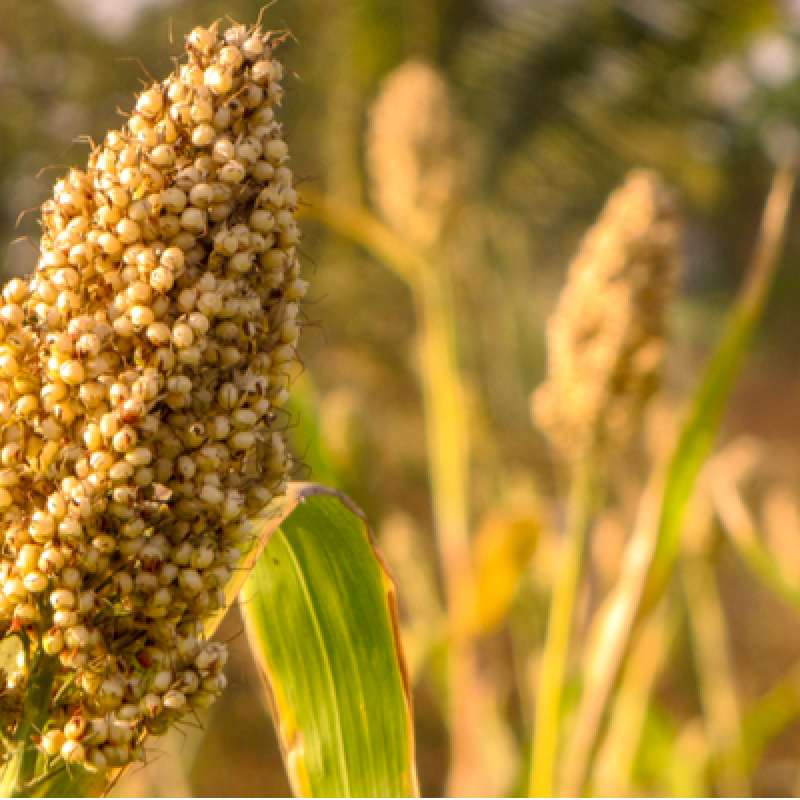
{"points": [[606, 338], [141, 367], [412, 151]]}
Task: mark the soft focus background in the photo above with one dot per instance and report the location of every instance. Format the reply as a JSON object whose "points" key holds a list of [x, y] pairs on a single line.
{"points": [[487, 134]]}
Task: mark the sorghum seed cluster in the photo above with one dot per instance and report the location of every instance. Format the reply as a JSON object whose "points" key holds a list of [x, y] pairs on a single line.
{"points": [[606, 339], [414, 152], [141, 367]]}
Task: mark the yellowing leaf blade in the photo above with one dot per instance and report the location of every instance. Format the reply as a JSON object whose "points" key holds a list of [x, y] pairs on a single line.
{"points": [[321, 615]]}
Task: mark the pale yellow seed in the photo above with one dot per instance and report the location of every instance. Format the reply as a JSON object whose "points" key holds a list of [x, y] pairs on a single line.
{"points": [[72, 373]]}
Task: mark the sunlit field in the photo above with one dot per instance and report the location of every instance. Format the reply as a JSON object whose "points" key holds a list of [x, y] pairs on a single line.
{"points": [[400, 397]]}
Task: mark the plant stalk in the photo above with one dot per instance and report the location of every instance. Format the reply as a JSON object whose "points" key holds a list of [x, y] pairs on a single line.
{"points": [[711, 648], [559, 629], [20, 771], [614, 773]]}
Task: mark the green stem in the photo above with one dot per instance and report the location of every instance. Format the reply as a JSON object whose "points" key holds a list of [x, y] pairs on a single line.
{"points": [[21, 769], [559, 628]]}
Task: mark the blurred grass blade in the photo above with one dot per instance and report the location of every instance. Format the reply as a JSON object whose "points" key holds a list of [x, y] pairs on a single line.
{"points": [[738, 524], [614, 774], [321, 615], [707, 406], [770, 716], [711, 647], [651, 554]]}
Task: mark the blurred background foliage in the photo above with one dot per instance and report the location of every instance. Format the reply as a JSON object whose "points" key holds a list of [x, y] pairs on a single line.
{"points": [[542, 106]]}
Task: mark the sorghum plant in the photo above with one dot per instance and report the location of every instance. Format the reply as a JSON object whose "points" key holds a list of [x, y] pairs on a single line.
{"points": [[605, 342], [606, 338], [142, 368]]}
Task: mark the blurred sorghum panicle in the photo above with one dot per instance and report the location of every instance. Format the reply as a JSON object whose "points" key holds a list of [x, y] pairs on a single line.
{"points": [[607, 336], [140, 370], [412, 152]]}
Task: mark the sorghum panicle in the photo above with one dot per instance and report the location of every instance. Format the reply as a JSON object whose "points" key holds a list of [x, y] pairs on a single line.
{"points": [[141, 367], [606, 338], [413, 152]]}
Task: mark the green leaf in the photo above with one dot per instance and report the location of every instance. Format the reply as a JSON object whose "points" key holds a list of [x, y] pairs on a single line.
{"points": [[321, 614], [708, 405]]}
